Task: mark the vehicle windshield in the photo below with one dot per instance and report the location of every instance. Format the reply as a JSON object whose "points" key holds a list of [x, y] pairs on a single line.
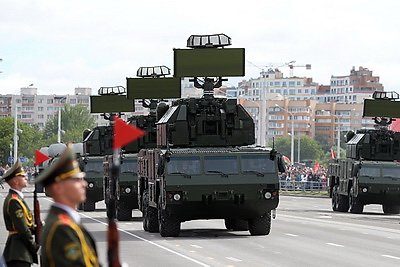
{"points": [[94, 166], [257, 163], [129, 166], [221, 164], [184, 165], [370, 171], [391, 172]]}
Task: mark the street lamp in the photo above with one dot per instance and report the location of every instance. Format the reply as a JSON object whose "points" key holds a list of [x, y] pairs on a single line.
{"points": [[338, 135], [292, 135]]}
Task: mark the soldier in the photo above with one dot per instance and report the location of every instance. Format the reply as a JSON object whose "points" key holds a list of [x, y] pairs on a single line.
{"points": [[20, 248], [64, 241]]}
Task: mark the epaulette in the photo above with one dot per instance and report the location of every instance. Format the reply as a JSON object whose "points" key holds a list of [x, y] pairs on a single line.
{"points": [[14, 196], [64, 219]]}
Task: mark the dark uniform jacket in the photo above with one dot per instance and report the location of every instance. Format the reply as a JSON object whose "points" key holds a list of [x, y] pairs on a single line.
{"points": [[18, 219], [65, 243]]}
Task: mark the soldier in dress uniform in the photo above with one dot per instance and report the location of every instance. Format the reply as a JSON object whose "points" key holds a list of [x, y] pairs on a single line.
{"points": [[20, 248], [64, 240]]}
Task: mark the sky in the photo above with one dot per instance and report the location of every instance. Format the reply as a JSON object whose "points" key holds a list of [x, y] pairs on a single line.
{"points": [[59, 45]]}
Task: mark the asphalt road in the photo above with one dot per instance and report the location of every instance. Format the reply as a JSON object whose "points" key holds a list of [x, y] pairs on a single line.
{"points": [[305, 233]]}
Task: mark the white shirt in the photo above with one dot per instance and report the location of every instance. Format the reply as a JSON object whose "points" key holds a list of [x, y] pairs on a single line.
{"points": [[21, 195], [71, 212]]}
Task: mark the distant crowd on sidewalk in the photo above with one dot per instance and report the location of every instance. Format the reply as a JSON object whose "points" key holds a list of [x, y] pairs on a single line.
{"points": [[29, 170], [303, 177]]}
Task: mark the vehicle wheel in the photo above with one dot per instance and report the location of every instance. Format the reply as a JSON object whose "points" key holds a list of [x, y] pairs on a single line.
{"points": [[152, 220], [391, 209], [169, 226], [144, 211], [260, 225], [89, 205], [355, 207], [124, 212], [335, 198], [343, 203], [229, 224]]}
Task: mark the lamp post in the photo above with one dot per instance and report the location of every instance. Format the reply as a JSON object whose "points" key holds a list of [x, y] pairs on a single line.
{"points": [[16, 131], [263, 110], [338, 135], [292, 135]]}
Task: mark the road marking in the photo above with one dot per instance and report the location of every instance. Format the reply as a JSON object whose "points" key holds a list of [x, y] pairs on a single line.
{"points": [[290, 234], [145, 240], [304, 219], [196, 246], [233, 259], [392, 257], [335, 245]]}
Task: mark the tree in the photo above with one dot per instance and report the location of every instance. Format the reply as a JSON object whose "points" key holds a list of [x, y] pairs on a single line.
{"points": [[309, 148], [29, 140], [74, 120]]}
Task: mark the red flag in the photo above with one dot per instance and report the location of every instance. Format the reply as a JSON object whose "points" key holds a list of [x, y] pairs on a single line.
{"points": [[316, 166], [40, 157], [333, 155], [125, 133], [286, 159]]}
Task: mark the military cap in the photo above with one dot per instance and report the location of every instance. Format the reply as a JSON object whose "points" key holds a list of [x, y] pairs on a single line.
{"points": [[14, 171], [66, 166]]}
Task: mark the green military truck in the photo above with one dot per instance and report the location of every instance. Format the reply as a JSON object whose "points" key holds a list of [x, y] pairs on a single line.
{"points": [[127, 193], [93, 167], [239, 185], [204, 166], [370, 173]]}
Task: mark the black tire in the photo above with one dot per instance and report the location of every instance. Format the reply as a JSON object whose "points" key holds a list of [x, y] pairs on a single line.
{"points": [[355, 206], [229, 224], [152, 220], [80, 206], [343, 203], [169, 226], [89, 205], [335, 198], [145, 203], [124, 212], [391, 209], [260, 225]]}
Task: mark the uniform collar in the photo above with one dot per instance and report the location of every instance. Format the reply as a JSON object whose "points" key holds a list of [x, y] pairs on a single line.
{"points": [[70, 211], [21, 195]]}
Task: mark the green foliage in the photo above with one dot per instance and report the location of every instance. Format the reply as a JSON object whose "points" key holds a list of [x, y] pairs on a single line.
{"points": [[309, 148], [74, 120], [29, 140]]}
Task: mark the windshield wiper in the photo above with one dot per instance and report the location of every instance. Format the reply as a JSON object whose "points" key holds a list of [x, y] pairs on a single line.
{"points": [[222, 173], [185, 175], [255, 172]]}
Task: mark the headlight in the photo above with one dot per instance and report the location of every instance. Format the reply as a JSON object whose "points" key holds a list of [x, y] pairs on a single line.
{"points": [[365, 190], [177, 197], [267, 195], [127, 190], [91, 185]]}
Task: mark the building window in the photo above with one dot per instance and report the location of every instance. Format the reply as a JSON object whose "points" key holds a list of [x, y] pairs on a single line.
{"points": [[40, 100], [49, 116], [40, 116], [50, 101], [292, 91], [72, 101], [277, 84], [291, 84], [40, 108]]}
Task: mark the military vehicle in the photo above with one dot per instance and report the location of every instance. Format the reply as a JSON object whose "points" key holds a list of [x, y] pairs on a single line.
{"points": [[96, 144], [205, 165], [126, 184], [370, 173]]}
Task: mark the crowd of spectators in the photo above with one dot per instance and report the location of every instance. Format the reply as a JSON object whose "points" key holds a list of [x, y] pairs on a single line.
{"points": [[300, 177], [29, 171]]}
